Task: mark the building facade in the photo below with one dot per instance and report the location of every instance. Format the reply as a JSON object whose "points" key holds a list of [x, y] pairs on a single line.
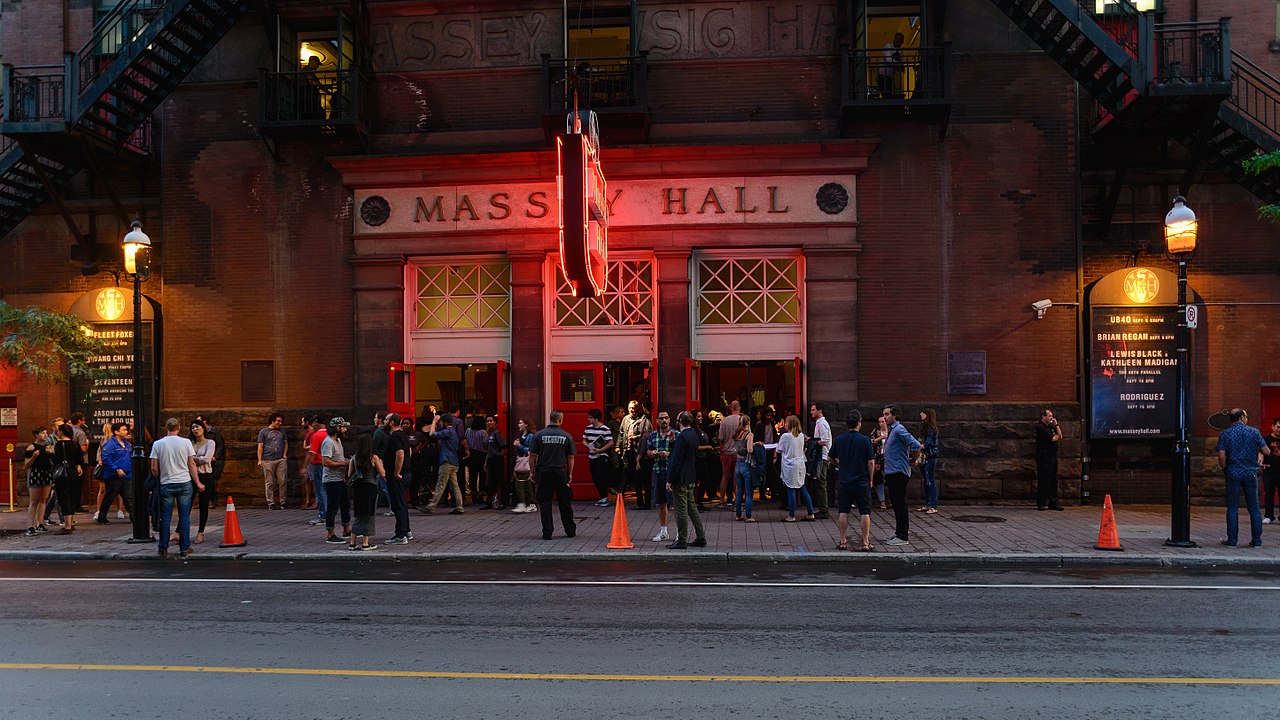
{"points": [[803, 207]]}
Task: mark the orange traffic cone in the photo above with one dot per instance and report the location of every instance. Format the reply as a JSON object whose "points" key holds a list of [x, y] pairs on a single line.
{"points": [[1108, 538], [621, 538], [231, 536]]}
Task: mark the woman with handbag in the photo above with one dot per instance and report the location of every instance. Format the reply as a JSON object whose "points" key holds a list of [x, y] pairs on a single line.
{"points": [[38, 462], [67, 483], [522, 472], [791, 456], [928, 459], [743, 472]]}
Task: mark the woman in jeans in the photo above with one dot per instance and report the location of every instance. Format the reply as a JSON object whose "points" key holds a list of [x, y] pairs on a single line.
{"points": [[929, 459], [791, 456], [477, 441], [204, 470], [364, 471], [495, 466], [743, 473], [524, 478], [877, 441]]}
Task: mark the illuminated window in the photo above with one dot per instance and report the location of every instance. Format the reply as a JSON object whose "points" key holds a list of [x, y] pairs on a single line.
{"points": [[749, 292], [1103, 7], [627, 299], [463, 296]]}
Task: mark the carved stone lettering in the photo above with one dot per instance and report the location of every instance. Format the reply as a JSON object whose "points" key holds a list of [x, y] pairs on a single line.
{"points": [[738, 29], [446, 42]]}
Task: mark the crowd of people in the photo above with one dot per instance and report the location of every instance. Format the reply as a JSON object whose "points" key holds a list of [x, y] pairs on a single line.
{"points": [[733, 462]]}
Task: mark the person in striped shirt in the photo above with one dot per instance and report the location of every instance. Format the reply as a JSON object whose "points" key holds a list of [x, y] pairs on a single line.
{"points": [[599, 441]]}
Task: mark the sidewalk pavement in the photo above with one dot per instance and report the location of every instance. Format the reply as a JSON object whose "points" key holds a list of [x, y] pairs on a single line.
{"points": [[957, 535]]}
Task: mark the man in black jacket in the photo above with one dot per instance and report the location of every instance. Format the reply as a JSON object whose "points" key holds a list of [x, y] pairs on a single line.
{"points": [[682, 481]]}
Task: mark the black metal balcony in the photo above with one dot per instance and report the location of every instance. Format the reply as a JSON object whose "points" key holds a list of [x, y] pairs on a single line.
{"points": [[304, 98], [1191, 58], [35, 98], [616, 88], [906, 81]]}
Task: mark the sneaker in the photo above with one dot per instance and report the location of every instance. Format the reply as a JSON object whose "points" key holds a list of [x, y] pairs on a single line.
{"points": [[602, 502], [42, 529], [895, 540], [663, 534], [95, 518], [119, 514], [1266, 521], [388, 514], [31, 532], [315, 521], [457, 511], [368, 547], [186, 553], [396, 541], [334, 540], [520, 508], [428, 510], [531, 508], [271, 506], [283, 506]]}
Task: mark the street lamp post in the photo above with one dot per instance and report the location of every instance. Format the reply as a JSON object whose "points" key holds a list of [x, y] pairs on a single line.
{"points": [[1180, 230], [137, 261]]}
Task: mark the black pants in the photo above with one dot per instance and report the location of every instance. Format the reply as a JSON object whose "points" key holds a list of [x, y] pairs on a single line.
{"points": [[1270, 483], [115, 486], [897, 483], [336, 492], [207, 497], [1047, 483], [639, 479], [555, 483], [475, 477], [68, 491], [495, 471], [397, 490], [601, 474]]}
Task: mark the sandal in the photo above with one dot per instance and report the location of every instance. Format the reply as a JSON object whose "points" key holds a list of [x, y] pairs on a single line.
{"points": [[923, 509], [867, 548], [843, 545], [788, 519], [738, 519], [811, 518], [882, 507], [749, 520], [931, 511]]}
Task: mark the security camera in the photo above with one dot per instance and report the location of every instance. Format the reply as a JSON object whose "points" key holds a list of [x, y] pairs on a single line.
{"points": [[1040, 306]]}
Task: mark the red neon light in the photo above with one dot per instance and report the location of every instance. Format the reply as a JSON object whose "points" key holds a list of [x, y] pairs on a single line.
{"points": [[584, 215]]}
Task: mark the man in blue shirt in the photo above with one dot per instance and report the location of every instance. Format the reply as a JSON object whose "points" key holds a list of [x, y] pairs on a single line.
{"points": [[900, 447], [1238, 449], [447, 476], [855, 457]]}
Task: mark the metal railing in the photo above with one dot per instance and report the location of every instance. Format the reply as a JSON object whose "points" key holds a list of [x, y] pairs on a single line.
{"points": [[1255, 94], [904, 75], [114, 33], [602, 83], [34, 93], [1121, 19], [1192, 52], [309, 98]]}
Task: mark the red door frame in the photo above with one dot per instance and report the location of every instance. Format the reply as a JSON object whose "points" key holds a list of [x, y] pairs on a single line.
{"points": [[401, 377], [799, 391], [575, 421], [503, 410], [692, 384]]}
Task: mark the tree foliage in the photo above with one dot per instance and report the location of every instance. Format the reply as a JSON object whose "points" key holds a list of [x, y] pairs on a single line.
{"points": [[1259, 164], [38, 342]]}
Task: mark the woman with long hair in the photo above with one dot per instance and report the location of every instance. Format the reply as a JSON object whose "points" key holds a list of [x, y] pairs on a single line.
{"points": [[743, 473], [38, 462], [66, 481], [477, 449], [523, 475], [791, 456], [363, 473], [877, 441], [425, 462], [929, 459], [205, 449]]}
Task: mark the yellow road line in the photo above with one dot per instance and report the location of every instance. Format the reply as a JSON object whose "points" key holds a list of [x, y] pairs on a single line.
{"points": [[610, 677]]}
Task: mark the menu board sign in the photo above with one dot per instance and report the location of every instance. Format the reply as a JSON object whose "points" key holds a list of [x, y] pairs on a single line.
{"points": [[1133, 372], [111, 399]]}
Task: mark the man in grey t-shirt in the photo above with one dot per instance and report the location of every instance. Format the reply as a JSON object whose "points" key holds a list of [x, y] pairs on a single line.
{"points": [[334, 461], [273, 443], [173, 461]]}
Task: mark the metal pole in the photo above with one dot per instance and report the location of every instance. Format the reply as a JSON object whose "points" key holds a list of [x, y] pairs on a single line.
{"points": [[1179, 496], [141, 519]]}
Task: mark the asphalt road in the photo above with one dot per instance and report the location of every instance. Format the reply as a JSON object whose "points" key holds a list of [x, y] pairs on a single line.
{"points": [[533, 640]]}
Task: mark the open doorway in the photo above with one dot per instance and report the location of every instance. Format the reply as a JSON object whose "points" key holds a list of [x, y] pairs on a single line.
{"points": [[755, 384], [580, 387]]}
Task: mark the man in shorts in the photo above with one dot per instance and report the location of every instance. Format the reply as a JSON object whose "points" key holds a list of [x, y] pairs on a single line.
{"points": [[855, 457]]}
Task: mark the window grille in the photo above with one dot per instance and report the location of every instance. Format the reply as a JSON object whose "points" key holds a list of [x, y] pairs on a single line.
{"points": [[464, 296], [749, 292], [627, 299]]}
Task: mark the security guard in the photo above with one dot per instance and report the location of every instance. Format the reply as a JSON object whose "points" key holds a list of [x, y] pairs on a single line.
{"points": [[551, 459]]}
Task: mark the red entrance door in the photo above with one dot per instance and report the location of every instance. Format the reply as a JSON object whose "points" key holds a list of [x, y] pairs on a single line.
{"points": [[577, 388], [8, 450], [1270, 407]]}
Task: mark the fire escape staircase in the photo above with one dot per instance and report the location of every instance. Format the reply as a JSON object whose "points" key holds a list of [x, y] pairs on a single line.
{"points": [[1179, 78], [57, 120]]}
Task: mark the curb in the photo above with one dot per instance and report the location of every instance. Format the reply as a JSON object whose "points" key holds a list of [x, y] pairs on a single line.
{"points": [[1039, 560]]}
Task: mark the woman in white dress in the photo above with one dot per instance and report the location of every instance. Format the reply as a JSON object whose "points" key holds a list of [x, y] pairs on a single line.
{"points": [[791, 455]]}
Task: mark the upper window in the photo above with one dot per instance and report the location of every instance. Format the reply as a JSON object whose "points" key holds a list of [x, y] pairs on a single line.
{"points": [[627, 299], [749, 291], [600, 30], [463, 296]]}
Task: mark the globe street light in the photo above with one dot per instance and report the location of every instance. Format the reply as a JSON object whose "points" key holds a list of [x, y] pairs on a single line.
{"points": [[1180, 230], [137, 264]]}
